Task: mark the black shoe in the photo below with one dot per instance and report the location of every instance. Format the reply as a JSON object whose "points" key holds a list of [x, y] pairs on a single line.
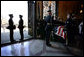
{"points": [[21, 39], [48, 44], [13, 41]]}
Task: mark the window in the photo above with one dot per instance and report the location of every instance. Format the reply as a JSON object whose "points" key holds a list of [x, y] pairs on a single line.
{"points": [[16, 8]]}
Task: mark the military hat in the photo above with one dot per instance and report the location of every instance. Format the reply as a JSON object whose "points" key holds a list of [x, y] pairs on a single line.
{"points": [[49, 11], [10, 14], [20, 15]]}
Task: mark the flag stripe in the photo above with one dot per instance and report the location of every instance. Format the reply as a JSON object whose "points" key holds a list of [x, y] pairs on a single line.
{"points": [[60, 32]]}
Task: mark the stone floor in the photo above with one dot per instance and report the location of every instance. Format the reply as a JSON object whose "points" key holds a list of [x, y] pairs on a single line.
{"points": [[35, 48], [5, 35]]}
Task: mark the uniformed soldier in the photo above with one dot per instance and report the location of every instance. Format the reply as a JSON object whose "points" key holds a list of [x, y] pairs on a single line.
{"points": [[21, 27], [11, 27], [69, 27], [48, 21]]}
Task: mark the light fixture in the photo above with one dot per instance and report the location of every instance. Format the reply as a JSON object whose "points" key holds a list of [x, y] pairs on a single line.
{"points": [[81, 5], [49, 3], [81, 11]]}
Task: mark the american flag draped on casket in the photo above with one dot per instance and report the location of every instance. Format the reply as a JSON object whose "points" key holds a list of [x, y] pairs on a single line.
{"points": [[59, 31]]}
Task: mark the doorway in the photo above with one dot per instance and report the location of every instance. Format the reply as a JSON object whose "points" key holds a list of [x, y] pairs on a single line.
{"points": [[16, 8]]}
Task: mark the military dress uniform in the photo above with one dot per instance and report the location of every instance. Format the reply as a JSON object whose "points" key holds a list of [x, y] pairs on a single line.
{"points": [[70, 31], [21, 27], [11, 27], [48, 29]]}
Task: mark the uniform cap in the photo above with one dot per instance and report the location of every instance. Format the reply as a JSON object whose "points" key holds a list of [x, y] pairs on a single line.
{"points": [[49, 11], [10, 14]]}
